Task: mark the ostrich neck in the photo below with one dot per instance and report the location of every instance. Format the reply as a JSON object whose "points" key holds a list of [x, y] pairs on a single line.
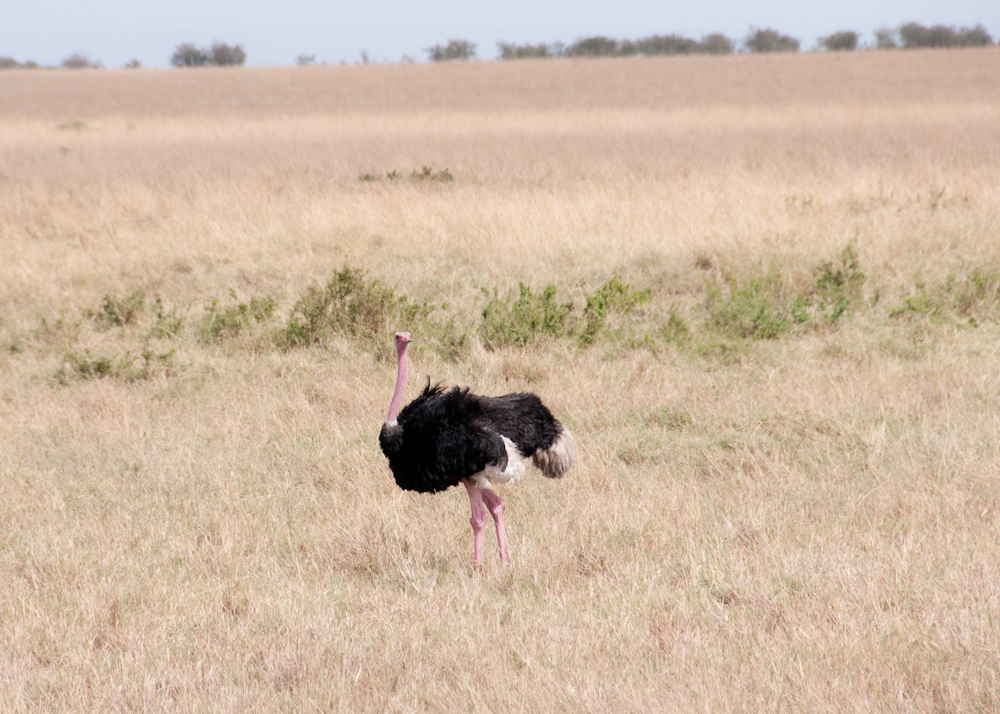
{"points": [[397, 397]]}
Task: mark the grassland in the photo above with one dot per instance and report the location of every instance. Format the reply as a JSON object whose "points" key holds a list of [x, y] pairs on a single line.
{"points": [[777, 317]]}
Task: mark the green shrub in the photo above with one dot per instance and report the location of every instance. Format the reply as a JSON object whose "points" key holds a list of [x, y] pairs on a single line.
{"points": [[79, 61], [667, 45], [676, 329], [751, 311], [523, 320], [128, 367], [455, 50], [763, 308], [886, 38], [168, 324], [187, 54], [838, 285], [11, 63], [613, 296], [424, 174], [118, 312], [913, 35], [593, 47], [840, 41], [427, 174], [348, 304], [510, 51], [226, 321], [769, 41], [223, 55], [716, 44], [601, 46], [973, 37]]}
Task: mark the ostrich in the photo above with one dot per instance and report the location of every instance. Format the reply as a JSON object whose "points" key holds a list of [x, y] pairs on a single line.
{"points": [[444, 438]]}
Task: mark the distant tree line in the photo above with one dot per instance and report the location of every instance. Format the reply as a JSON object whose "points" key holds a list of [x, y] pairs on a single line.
{"points": [[600, 46], [185, 55], [220, 55], [454, 50], [74, 61], [911, 35], [11, 63]]}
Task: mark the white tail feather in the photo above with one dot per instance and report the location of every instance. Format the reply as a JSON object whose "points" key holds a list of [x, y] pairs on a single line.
{"points": [[556, 460]]}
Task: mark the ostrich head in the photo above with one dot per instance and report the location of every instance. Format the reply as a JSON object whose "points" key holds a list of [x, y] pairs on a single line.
{"points": [[402, 340]]}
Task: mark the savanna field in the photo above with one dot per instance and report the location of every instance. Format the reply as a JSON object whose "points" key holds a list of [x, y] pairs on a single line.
{"points": [[763, 292]]}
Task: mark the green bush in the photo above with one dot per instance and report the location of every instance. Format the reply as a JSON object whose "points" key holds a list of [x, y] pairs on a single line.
{"points": [[667, 45], [973, 37], [226, 321], [593, 47], [223, 55], [716, 44], [676, 329], [601, 46], [510, 51], [840, 41], [523, 320], [127, 367], [769, 41], [187, 54], [886, 38], [427, 174], [168, 324], [11, 63], [117, 312], [613, 296], [79, 61], [461, 50], [754, 310], [348, 304], [838, 285], [764, 308], [913, 35]]}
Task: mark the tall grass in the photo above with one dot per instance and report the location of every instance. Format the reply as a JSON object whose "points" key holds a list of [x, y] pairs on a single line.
{"points": [[772, 329]]}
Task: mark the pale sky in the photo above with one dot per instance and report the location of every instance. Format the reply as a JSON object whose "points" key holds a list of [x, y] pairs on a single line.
{"points": [[275, 32]]}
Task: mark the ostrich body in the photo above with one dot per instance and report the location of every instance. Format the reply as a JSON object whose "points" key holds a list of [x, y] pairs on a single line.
{"points": [[447, 437]]}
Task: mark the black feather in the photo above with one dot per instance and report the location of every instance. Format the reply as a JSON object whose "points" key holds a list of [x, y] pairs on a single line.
{"points": [[443, 437]]}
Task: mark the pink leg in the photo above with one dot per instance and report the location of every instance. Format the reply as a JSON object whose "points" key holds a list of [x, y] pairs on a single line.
{"points": [[478, 522], [495, 506]]}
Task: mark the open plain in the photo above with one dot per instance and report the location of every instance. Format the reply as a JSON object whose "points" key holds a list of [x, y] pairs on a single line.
{"points": [[773, 327]]}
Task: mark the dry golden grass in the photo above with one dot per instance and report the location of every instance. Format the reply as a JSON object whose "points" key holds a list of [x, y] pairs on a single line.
{"points": [[801, 524]]}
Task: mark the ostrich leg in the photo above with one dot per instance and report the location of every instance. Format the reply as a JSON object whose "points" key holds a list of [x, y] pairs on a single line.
{"points": [[495, 506], [478, 521]]}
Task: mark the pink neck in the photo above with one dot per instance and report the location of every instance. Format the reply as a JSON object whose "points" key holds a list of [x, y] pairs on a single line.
{"points": [[402, 374]]}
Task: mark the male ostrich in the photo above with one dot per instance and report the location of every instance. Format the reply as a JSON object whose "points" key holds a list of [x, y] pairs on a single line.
{"points": [[444, 438]]}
